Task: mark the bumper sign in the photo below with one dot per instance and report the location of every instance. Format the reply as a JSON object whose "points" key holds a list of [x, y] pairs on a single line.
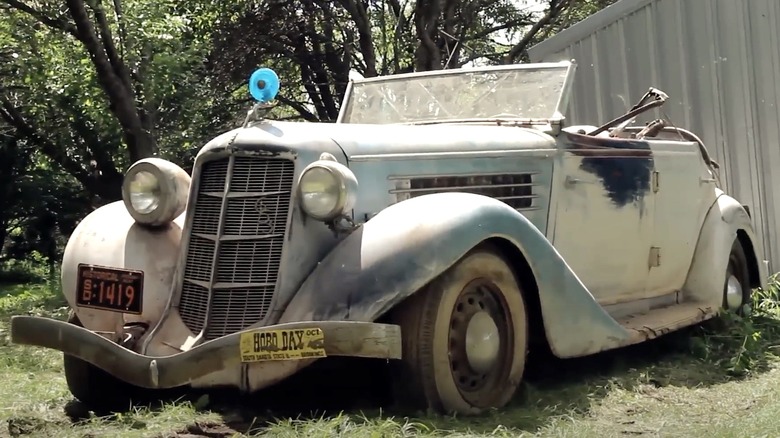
{"points": [[294, 344]]}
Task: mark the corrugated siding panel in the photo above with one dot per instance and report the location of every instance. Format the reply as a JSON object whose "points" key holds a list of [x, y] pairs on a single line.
{"points": [[763, 41], [719, 61]]}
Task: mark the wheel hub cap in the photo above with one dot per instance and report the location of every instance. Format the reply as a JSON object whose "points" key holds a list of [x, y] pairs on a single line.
{"points": [[734, 293], [482, 342]]}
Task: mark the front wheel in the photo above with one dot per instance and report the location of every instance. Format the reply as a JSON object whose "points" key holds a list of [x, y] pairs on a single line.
{"points": [[465, 337], [95, 388]]}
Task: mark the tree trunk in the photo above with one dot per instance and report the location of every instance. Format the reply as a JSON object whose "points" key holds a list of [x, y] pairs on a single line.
{"points": [[140, 143]]}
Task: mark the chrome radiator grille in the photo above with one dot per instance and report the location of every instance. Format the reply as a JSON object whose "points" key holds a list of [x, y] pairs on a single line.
{"points": [[235, 246]]}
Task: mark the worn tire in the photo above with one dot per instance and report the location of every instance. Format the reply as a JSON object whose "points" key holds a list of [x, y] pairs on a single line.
{"points": [[95, 388], [736, 287], [435, 372]]}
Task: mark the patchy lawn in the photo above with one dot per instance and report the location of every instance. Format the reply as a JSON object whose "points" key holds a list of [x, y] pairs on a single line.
{"points": [[718, 380]]}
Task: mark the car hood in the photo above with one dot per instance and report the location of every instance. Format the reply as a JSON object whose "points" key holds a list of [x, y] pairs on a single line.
{"points": [[357, 140]]}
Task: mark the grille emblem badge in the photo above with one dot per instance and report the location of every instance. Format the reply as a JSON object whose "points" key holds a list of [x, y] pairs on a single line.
{"points": [[265, 221]]}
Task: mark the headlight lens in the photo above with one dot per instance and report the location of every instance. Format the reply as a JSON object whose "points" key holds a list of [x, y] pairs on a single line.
{"points": [[320, 191], [144, 192], [155, 191], [327, 190]]}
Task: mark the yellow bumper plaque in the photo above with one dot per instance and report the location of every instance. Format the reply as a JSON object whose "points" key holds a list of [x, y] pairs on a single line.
{"points": [[294, 344]]}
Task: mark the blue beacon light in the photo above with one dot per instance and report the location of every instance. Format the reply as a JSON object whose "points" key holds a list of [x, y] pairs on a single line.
{"points": [[263, 85]]}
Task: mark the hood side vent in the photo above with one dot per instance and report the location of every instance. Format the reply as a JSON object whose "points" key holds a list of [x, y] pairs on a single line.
{"points": [[514, 189]]}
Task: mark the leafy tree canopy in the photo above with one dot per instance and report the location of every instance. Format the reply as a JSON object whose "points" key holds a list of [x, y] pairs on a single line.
{"points": [[89, 86]]}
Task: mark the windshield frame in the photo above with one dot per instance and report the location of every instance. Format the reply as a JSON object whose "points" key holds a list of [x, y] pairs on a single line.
{"points": [[556, 117]]}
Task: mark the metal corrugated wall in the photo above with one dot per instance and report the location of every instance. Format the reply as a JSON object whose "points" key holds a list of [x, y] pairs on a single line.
{"points": [[719, 61]]}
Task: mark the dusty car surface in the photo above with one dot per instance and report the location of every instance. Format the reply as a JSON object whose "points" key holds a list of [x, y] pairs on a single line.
{"points": [[449, 222]]}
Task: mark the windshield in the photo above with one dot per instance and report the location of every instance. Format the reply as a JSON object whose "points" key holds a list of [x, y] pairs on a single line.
{"points": [[529, 91]]}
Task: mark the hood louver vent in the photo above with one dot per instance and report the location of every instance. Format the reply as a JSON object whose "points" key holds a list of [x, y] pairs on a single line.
{"points": [[516, 190]]}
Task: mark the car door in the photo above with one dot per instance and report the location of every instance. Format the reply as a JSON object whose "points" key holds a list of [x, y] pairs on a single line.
{"points": [[603, 219], [684, 191]]}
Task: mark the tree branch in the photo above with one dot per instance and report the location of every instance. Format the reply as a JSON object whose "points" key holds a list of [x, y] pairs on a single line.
{"points": [[54, 23], [118, 65], [317, 62], [395, 5], [91, 140], [427, 56], [297, 106], [556, 6], [362, 22], [121, 25], [140, 143], [149, 109], [507, 25], [13, 117]]}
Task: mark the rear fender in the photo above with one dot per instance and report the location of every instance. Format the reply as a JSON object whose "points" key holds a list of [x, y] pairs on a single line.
{"points": [[412, 242], [110, 237], [726, 220]]}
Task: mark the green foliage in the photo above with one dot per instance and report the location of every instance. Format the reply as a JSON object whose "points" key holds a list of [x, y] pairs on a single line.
{"points": [[579, 11], [64, 141], [33, 299], [31, 270], [38, 206], [315, 44], [56, 83], [743, 344], [90, 86]]}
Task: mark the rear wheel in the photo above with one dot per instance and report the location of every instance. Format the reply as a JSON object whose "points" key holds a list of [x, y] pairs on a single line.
{"points": [[465, 337], [736, 289], [95, 388]]}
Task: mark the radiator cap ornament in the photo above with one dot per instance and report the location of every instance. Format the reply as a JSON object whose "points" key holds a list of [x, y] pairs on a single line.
{"points": [[264, 85]]}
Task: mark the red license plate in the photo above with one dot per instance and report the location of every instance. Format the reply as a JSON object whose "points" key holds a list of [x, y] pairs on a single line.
{"points": [[117, 290]]}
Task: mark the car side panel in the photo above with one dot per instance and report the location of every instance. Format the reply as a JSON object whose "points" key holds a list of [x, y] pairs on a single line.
{"points": [[408, 244]]}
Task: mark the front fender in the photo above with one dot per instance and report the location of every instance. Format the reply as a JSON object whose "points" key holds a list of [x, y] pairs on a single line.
{"points": [[410, 243], [110, 237], [707, 274]]}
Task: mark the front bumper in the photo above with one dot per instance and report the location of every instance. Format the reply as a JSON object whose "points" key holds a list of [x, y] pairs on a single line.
{"points": [[341, 338]]}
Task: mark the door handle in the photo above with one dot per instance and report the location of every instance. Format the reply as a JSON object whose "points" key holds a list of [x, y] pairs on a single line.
{"points": [[570, 180]]}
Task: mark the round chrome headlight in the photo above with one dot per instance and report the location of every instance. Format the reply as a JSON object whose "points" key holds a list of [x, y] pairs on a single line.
{"points": [[155, 191], [327, 190], [144, 189]]}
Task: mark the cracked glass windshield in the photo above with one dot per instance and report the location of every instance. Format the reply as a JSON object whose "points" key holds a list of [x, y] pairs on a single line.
{"points": [[451, 95]]}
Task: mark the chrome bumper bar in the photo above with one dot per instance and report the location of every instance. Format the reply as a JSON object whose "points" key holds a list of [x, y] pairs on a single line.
{"points": [[341, 338]]}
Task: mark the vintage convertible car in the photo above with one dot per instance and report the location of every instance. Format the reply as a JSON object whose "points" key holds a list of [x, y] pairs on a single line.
{"points": [[449, 222]]}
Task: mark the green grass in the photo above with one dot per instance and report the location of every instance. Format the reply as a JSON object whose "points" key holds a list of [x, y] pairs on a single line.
{"points": [[719, 379]]}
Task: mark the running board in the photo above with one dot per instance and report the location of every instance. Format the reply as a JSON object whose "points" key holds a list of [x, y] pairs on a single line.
{"points": [[660, 321]]}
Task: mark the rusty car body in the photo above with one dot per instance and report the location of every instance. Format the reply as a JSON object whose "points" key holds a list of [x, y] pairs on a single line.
{"points": [[448, 221]]}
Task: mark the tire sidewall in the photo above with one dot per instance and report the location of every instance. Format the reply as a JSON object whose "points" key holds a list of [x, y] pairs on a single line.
{"points": [[92, 386], [480, 264], [737, 266]]}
